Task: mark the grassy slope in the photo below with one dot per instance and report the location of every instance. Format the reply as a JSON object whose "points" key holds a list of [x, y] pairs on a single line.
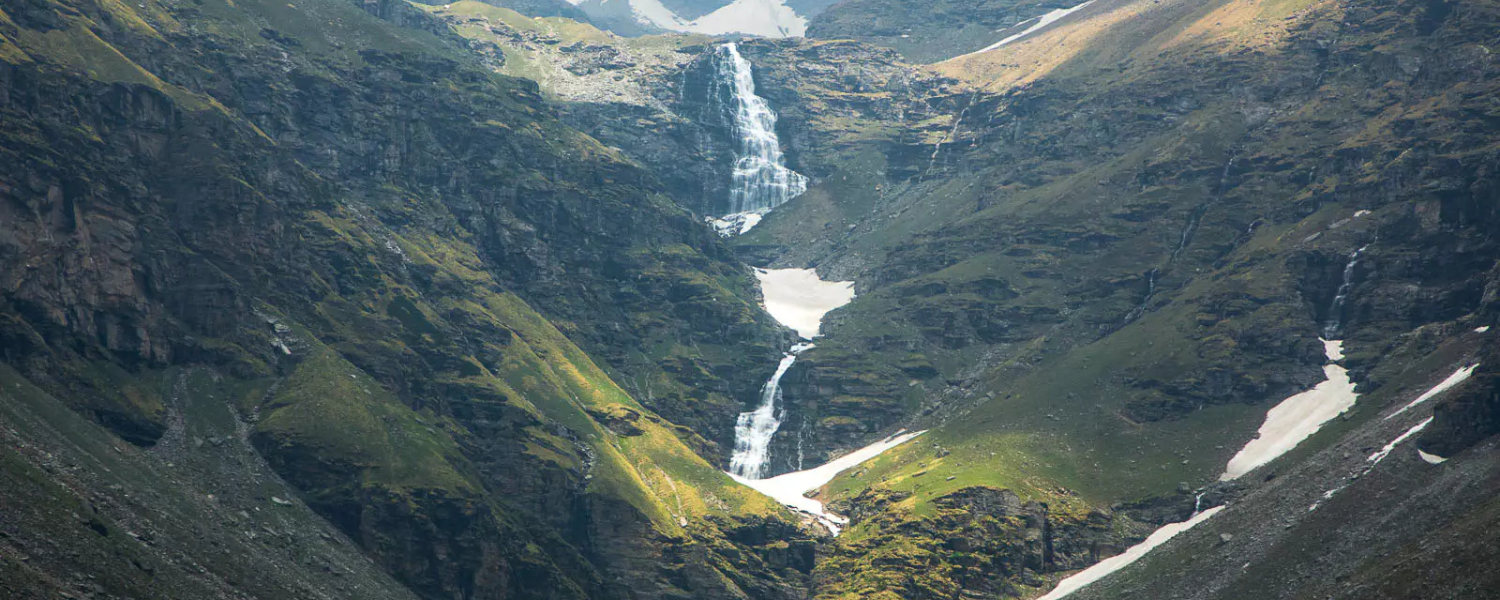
{"points": [[165, 529], [438, 313], [478, 21], [548, 375], [1070, 214]]}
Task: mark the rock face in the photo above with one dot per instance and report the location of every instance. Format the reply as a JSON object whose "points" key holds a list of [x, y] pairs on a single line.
{"points": [[1028, 227], [978, 542], [350, 222], [426, 290]]}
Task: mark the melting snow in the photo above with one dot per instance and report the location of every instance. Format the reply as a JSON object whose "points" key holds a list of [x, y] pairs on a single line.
{"points": [[1041, 22], [1298, 417], [1456, 378], [1328, 495], [1115, 563], [1380, 455], [1375, 458], [1431, 459], [789, 488], [735, 224], [798, 299], [1333, 349]]}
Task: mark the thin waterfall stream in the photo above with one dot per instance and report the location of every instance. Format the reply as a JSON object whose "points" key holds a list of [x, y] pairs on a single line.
{"points": [[1286, 425], [1335, 321]]}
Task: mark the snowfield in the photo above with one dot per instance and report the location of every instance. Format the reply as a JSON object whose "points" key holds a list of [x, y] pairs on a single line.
{"points": [[1298, 417], [791, 488], [798, 299]]}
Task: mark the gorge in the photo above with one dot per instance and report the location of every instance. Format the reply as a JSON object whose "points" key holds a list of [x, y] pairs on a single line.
{"points": [[749, 299]]}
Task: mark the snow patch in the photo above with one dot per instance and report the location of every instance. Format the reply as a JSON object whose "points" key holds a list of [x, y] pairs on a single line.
{"points": [[1334, 348], [737, 223], [798, 299], [1328, 495], [1380, 455], [1456, 378], [1431, 459], [1114, 563], [790, 488], [1484, 329], [1298, 417], [1042, 21]]}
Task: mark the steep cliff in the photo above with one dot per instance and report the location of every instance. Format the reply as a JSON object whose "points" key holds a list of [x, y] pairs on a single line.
{"points": [[348, 223]]}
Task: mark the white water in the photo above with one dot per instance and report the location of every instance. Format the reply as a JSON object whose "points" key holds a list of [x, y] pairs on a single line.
{"points": [[791, 488], [1298, 417], [798, 298], [1335, 322], [1456, 378], [736, 224], [1115, 563], [760, 181], [753, 430]]}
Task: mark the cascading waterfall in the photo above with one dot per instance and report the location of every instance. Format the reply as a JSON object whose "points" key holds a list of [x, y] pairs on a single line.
{"points": [[753, 430], [1335, 321], [761, 180]]}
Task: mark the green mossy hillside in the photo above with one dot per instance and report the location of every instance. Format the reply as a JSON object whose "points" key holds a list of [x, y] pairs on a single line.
{"points": [[388, 251]]}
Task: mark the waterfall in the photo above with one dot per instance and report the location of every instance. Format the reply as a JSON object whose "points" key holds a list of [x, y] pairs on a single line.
{"points": [[753, 430], [1335, 321], [1146, 301], [761, 180]]}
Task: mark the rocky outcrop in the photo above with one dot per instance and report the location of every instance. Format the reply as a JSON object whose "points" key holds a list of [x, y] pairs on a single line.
{"points": [[978, 541]]}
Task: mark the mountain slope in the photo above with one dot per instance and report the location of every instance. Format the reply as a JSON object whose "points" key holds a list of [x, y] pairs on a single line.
{"points": [[340, 218], [340, 267], [1131, 241], [926, 32]]}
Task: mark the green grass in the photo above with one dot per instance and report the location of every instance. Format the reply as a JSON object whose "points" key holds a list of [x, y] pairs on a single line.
{"points": [[329, 405]]}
